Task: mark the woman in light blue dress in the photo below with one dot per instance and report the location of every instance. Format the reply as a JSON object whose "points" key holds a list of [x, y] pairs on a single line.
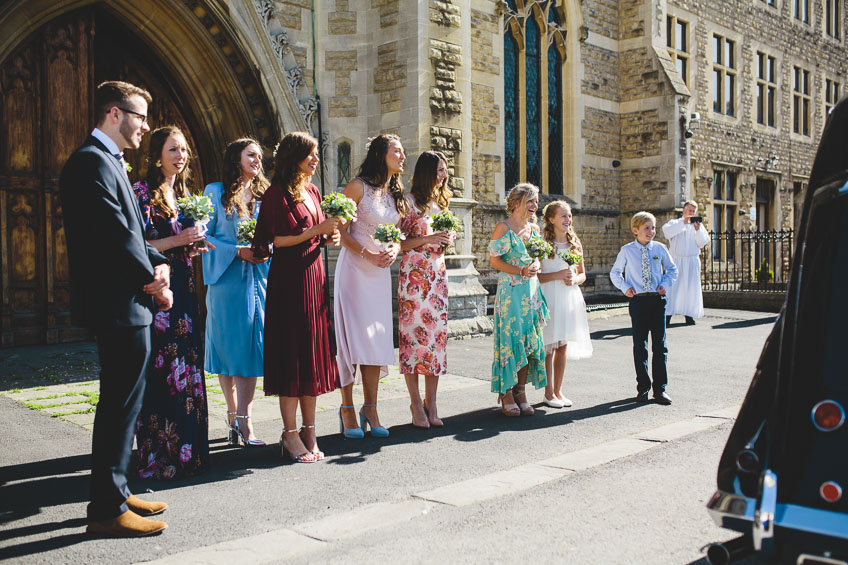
{"points": [[520, 308], [235, 297]]}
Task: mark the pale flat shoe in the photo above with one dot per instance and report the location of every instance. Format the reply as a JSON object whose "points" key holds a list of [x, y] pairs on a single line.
{"points": [[554, 402], [566, 403]]}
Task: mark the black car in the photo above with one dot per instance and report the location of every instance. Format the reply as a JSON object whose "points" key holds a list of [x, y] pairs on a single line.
{"points": [[784, 470]]}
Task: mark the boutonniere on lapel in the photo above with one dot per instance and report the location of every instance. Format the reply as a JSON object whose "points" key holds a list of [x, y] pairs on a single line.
{"points": [[127, 167], [656, 257]]}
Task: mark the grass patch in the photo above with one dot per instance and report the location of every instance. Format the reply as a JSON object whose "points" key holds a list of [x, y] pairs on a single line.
{"points": [[80, 411], [40, 388]]}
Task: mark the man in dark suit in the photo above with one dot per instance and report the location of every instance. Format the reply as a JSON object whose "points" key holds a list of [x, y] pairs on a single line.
{"points": [[117, 281]]}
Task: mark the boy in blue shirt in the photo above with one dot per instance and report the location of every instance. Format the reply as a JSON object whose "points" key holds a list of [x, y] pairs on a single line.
{"points": [[644, 272]]}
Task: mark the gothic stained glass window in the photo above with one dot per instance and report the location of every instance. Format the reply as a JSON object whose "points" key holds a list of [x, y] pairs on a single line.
{"points": [[511, 129], [534, 102], [554, 115]]}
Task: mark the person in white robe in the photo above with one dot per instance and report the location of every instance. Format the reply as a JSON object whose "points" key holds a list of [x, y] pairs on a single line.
{"points": [[686, 238]]}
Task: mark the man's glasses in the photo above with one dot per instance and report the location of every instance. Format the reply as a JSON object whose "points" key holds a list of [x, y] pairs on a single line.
{"points": [[142, 116]]}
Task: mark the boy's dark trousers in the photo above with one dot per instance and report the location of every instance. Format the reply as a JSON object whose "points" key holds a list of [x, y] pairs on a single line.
{"points": [[647, 315]]}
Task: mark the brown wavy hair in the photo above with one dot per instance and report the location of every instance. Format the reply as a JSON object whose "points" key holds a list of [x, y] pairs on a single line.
{"points": [[374, 171], [425, 186], [288, 155], [232, 179], [156, 180], [550, 235]]}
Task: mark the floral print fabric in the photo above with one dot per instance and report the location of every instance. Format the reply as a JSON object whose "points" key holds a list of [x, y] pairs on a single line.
{"points": [[520, 316], [422, 302], [172, 428]]}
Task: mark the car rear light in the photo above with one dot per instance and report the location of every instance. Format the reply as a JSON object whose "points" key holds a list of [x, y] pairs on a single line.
{"points": [[828, 415], [830, 491]]}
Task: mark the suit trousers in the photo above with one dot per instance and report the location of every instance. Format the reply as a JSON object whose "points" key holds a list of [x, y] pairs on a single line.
{"points": [[124, 353], [647, 315]]}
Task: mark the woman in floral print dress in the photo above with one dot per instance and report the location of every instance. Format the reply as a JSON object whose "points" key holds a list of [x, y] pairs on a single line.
{"points": [[521, 311], [423, 288], [172, 428]]}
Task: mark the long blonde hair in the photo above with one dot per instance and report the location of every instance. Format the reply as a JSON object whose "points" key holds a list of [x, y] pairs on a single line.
{"points": [[549, 232]]}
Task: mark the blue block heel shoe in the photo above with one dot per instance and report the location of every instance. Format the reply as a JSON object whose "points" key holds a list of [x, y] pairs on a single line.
{"points": [[376, 431], [349, 433]]}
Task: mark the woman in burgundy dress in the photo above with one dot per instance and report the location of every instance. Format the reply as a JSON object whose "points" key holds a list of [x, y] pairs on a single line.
{"points": [[300, 362]]}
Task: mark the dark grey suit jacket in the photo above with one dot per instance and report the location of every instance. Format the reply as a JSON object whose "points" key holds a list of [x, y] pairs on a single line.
{"points": [[109, 259]]}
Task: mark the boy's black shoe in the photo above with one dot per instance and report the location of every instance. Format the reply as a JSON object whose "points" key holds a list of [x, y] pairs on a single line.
{"points": [[642, 396], [668, 320], [690, 321], [661, 398]]}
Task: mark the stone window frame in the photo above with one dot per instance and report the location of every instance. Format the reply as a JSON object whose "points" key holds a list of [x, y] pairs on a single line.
{"points": [[551, 34], [832, 19], [832, 91], [769, 83], [724, 249], [802, 8], [725, 70], [802, 101], [768, 4], [679, 53]]}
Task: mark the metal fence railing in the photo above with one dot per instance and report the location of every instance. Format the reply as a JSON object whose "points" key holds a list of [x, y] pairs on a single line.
{"points": [[748, 260]]}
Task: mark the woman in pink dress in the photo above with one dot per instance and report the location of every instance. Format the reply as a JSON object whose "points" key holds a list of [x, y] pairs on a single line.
{"points": [[363, 283], [423, 288]]}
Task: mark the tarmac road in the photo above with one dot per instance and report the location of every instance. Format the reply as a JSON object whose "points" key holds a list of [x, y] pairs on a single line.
{"points": [[606, 481]]}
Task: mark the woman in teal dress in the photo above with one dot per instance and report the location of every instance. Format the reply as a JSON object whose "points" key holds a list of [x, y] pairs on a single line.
{"points": [[235, 297], [520, 308]]}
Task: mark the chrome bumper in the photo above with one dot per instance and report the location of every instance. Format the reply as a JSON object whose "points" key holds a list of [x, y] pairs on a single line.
{"points": [[737, 513]]}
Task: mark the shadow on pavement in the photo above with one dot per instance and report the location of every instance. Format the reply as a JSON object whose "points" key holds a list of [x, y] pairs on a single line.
{"points": [[35, 547], [607, 335], [745, 323]]}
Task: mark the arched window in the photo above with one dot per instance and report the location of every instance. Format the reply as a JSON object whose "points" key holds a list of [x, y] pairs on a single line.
{"points": [[343, 163], [533, 36], [533, 72], [512, 163], [554, 113]]}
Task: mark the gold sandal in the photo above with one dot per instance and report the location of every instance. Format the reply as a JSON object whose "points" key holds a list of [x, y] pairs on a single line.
{"points": [[521, 398], [510, 409]]}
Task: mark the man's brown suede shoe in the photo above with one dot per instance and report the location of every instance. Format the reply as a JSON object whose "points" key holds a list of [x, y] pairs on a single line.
{"points": [[144, 507], [127, 525]]}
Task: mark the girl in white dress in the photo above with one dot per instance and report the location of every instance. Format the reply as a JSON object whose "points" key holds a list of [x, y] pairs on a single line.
{"points": [[567, 332]]}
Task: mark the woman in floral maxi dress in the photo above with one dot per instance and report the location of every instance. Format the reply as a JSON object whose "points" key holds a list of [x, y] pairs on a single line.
{"points": [[172, 428], [520, 308], [423, 288]]}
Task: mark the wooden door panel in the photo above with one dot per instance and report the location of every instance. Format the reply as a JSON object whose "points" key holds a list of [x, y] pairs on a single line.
{"points": [[18, 82]]}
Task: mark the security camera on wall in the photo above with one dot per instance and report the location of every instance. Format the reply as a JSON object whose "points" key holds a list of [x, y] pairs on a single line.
{"points": [[694, 120]]}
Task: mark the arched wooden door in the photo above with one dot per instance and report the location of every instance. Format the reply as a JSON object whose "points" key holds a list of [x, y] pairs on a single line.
{"points": [[46, 89]]}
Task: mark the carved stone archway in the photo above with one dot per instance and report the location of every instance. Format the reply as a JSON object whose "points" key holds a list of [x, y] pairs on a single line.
{"points": [[206, 78]]}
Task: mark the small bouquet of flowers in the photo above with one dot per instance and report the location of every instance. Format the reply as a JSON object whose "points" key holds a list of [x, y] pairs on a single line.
{"points": [[570, 256], [198, 208], [445, 221], [538, 248], [245, 230], [339, 206], [388, 233]]}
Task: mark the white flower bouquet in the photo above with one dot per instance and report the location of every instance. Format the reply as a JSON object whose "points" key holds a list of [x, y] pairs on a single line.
{"points": [[198, 208], [245, 230]]}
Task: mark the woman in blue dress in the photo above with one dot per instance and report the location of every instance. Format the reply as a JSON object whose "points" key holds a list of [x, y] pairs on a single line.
{"points": [[172, 427], [520, 308], [235, 297]]}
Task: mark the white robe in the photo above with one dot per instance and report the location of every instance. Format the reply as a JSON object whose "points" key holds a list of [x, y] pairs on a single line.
{"points": [[685, 297]]}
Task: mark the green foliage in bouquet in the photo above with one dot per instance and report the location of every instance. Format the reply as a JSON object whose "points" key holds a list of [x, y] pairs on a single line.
{"points": [[570, 256], [446, 221], [388, 233], [245, 231], [339, 206], [538, 248], [195, 207]]}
